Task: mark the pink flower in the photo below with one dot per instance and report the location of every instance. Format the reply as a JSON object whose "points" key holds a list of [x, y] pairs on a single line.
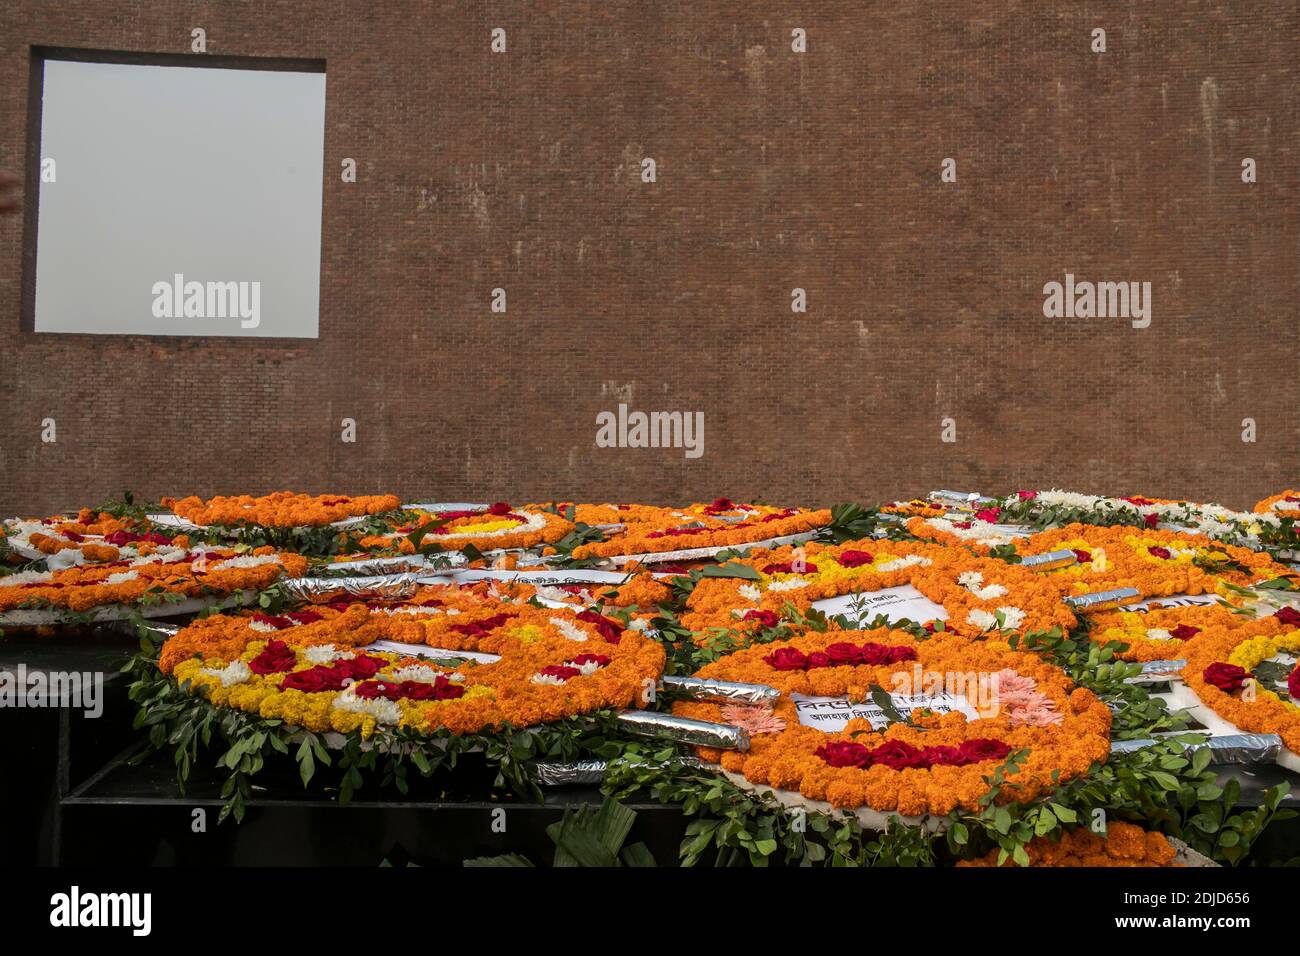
{"points": [[756, 720], [988, 514], [1026, 495]]}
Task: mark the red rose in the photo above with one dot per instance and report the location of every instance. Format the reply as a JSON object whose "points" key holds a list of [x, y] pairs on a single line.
{"points": [[819, 659], [982, 748], [1159, 552], [1184, 632], [1226, 677], [610, 630], [765, 618], [561, 671], [277, 657], [1083, 557], [897, 755], [277, 621], [1026, 495], [1293, 684], [962, 524], [720, 504], [844, 753], [788, 567], [988, 514], [787, 659], [843, 653], [361, 667], [314, 679], [943, 756], [854, 559], [600, 660], [1151, 520], [499, 508], [1288, 616]]}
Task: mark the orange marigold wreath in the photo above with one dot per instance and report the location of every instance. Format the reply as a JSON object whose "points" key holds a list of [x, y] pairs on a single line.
{"points": [[933, 765], [1124, 844]]}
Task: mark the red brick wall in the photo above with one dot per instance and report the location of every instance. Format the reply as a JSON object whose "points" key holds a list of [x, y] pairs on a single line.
{"points": [[775, 170]]}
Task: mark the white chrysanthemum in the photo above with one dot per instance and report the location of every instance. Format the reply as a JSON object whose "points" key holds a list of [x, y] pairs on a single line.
{"points": [[323, 654], [750, 593], [262, 626], [381, 708], [1069, 499], [26, 577], [640, 624], [122, 577], [547, 679], [236, 672], [244, 561], [989, 592], [586, 670], [984, 620], [968, 579], [1158, 634], [897, 564], [789, 584], [568, 629], [424, 674], [1012, 617]]}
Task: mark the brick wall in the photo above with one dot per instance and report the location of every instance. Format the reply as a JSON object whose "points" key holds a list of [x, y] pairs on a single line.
{"points": [[776, 170]]}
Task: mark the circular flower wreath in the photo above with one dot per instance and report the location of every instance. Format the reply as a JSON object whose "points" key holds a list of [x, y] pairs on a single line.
{"points": [[1124, 844], [168, 570], [935, 763], [979, 594], [282, 509], [705, 532], [88, 537], [1156, 563], [314, 671], [495, 527], [1248, 675]]}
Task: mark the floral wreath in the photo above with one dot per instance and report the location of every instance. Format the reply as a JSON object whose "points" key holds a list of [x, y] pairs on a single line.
{"points": [[1159, 633], [979, 532], [928, 763], [1286, 503], [980, 594], [1156, 563], [89, 537], [705, 532], [915, 508], [167, 571], [317, 671], [282, 509], [494, 527], [1234, 671], [1123, 844]]}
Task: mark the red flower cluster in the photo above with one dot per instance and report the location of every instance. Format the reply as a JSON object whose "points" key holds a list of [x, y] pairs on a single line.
{"points": [[1083, 557], [332, 676], [482, 628], [839, 655], [854, 559], [277, 657], [1288, 616], [440, 689], [788, 567], [609, 629], [900, 755], [1184, 632], [988, 514], [765, 618], [120, 538], [1159, 552], [1226, 677]]}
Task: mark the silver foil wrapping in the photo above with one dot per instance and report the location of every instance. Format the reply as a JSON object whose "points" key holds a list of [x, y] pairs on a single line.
{"points": [[1101, 599], [586, 772], [965, 500], [1155, 672], [1049, 561], [570, 774], [1229, 748], [702, 733], [383, 587], [397, 564], [721, 691]]}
